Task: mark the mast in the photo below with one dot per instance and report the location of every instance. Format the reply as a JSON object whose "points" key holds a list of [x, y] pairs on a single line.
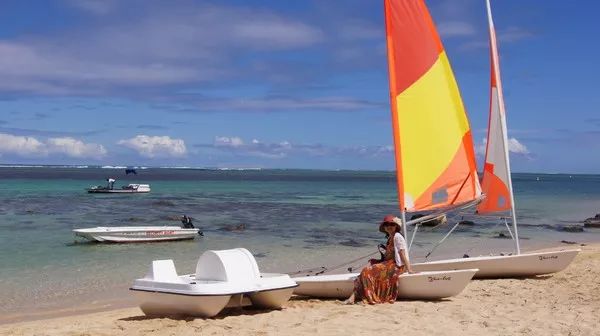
{"points": [[404, 230], [501, 108], [396, 135]]}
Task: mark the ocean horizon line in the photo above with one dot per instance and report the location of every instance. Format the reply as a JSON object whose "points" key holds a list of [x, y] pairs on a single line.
{"points": [[232, 168]]}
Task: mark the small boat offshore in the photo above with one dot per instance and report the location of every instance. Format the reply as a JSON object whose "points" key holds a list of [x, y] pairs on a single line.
{"points": [[131, 188], [132, 234]]}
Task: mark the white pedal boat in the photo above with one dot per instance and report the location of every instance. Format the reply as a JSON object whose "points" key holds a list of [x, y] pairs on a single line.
{"points": [[130, 234], [224, 278], [419, 286], [519, 265]]}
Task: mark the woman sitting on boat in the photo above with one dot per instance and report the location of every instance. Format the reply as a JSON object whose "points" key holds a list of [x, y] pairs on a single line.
{"points": [[378, 282]]}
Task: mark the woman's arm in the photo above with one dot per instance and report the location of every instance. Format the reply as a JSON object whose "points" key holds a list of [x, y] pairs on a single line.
{"points": [[405, 261], [400, 252]]}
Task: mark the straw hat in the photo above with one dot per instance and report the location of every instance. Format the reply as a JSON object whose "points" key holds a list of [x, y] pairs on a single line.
{"points": [[391, 219]]}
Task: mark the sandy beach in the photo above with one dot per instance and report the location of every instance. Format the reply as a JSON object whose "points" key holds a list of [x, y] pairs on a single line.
{"points": [[567, 303]]}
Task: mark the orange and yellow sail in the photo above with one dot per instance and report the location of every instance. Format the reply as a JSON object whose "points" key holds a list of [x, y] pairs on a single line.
{"points": [[496, 183], [435, 158]]}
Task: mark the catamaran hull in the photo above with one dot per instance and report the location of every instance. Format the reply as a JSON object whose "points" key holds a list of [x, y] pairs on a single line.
{"points": [[522, 265], [114, 235], [171, 304], [168, 304], [272, 299], [418, 286]]}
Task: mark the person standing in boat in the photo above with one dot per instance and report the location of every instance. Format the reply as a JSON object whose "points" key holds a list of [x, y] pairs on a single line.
{"points": [[378, 283], [187, 222]]}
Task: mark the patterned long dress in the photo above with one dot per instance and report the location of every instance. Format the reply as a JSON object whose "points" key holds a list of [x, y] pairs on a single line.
{"points": [[378, 283]]}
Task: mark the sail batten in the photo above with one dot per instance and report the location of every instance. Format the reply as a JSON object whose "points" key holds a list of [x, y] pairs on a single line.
{"points": [[435, 159]]}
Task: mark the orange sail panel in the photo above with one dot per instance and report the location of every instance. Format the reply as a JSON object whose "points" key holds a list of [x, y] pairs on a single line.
{"points": [[435, 158], [496, 183]]}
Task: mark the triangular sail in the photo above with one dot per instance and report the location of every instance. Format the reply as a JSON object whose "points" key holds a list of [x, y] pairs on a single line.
{"points": [[496, 183], [435, 159]]}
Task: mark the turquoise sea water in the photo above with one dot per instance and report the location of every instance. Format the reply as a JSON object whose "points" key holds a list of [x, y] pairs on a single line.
{"points": [[293, 219]]}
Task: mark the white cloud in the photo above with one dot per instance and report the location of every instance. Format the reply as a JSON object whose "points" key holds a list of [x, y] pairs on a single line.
{"points": [[275, 32], [353, 29], [514, 146], [75, 148], [223, 141], [155, 146], [283, 149], [481, 147], [98, 7], [163, 45], [284, 103], [21, 145], [508, 35], [25, 146], [514, 34], [456, 28]]}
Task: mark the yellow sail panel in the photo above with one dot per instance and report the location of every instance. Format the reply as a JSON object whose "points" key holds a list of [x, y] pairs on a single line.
{"points": [[443, 113], [434, 147]]}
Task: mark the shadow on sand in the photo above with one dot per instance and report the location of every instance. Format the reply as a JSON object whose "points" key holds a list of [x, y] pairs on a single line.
{"points": [[227, 312]]}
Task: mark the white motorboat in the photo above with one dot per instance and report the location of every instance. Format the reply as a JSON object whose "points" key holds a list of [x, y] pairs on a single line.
{"points": [[131, 234], [131, 188], [419, 286], [226, 278]]}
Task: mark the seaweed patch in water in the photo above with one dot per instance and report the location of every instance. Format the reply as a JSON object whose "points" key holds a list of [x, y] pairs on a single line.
{"points": [[234, 228], [353, 243], [317, 241], [163, 203]]}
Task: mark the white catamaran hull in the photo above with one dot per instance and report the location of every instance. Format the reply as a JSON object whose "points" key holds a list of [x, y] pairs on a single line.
{"points": [[167, 304], [130, 234], [172, 304], [522, 265], [420, 286]]}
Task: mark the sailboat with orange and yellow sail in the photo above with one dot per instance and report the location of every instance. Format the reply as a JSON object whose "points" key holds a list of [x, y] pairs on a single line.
{"points": [[435, 158], [498, 191]]}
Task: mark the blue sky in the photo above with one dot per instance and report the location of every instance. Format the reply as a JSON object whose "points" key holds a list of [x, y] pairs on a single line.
{"points": [[278, 84]]}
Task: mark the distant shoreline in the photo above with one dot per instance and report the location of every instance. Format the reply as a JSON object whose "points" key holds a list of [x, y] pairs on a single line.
{"points": [[144, 167]]}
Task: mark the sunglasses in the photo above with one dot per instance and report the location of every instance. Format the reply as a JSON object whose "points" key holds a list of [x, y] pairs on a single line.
{"points": [[389, 224]]}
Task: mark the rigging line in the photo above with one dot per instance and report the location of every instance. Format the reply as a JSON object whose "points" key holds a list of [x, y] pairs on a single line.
{"points": [[508, 228], [441, 241], [481, 240], [460, 189], [323, 269], [352, 261], [412, 238]]}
